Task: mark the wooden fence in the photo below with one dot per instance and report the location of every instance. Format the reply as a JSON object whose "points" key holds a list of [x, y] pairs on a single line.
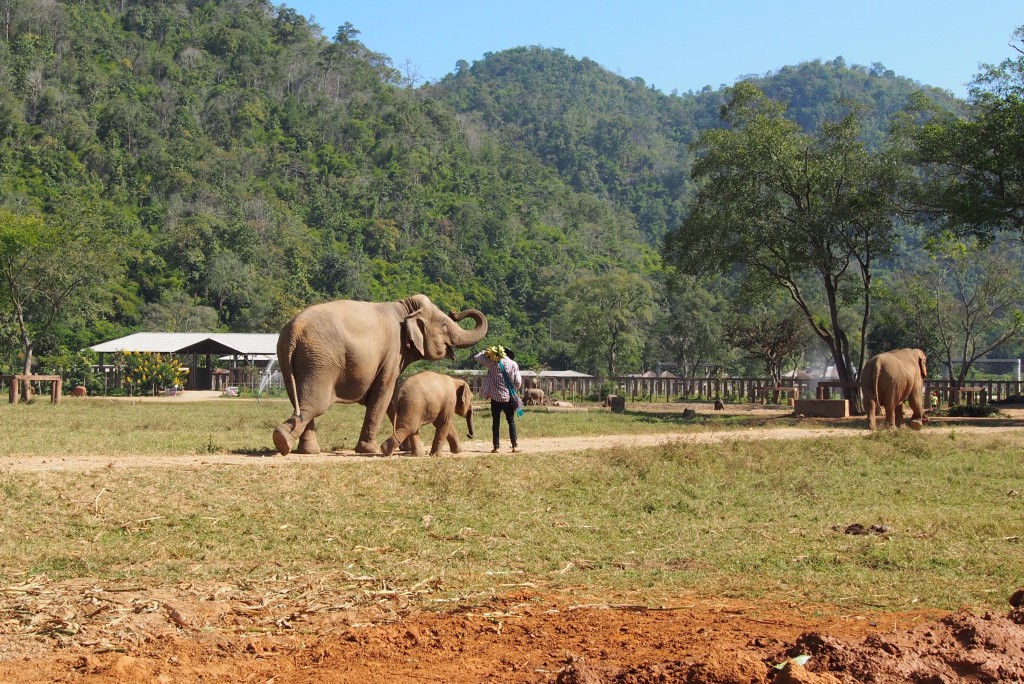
{"points": [[739, 389]]}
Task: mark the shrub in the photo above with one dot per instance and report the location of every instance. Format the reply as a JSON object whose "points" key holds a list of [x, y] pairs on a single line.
{"points": [[152, 371], [973, 411]]}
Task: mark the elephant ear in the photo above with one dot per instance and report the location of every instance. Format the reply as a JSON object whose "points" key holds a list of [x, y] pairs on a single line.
{"points": [[460, 393], [922, 362], [413, 325]]}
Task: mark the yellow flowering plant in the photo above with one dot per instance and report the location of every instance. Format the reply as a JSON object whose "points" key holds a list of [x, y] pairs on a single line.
{"points": [[144, 369]]}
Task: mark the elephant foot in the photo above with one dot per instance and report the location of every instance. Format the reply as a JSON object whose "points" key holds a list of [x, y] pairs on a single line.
{"points": [[388, 446], [915, 424], [308, 444], [367, 447], [283, 440]]}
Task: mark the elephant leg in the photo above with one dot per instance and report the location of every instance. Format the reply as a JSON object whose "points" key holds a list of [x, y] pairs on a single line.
{"points": [[415, 444], [917, 406], [401, 440], [307, 440], [441, 431], [872, 413], [890, 414], [314, 399], [899, 414], [377, 402], [453, 440]]}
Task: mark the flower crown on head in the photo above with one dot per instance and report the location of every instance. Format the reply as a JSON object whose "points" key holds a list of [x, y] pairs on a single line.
{"points": [[495, 353]]}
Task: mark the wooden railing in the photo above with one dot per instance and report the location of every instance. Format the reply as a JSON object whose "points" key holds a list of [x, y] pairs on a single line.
{"points": [[738, 389], [981, 391]]}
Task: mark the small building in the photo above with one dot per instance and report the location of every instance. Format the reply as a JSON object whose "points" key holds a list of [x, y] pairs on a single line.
{"points": [[246, 353]]}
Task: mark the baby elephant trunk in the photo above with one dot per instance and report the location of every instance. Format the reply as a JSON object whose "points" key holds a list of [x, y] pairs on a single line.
{"points": [[469, 422]]}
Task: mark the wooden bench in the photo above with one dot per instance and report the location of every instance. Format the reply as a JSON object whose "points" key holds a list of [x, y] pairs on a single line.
{"points": [[15, 380]]}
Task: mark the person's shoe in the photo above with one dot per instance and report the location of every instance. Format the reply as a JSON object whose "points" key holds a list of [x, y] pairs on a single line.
{"points": [[515, 450], [494, 450]]}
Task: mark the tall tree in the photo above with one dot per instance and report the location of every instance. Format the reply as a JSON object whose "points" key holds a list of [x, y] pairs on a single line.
{"points": [[964, 303], [773, 335], [52, 265], [974, 159], [607, 315], [811, 212], [691, 328]]}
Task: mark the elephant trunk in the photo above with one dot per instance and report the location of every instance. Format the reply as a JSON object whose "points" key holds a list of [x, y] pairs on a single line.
{"points": [[469, 422], [467, 338]]}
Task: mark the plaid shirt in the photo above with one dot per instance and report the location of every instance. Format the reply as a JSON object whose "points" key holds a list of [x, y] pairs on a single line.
{"points": [[494, 383]]}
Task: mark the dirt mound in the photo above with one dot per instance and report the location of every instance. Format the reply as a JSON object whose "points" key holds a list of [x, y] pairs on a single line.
{"points": [[959, 647], [88, 635]]}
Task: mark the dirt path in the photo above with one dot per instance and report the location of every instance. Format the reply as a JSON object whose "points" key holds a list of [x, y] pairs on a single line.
{"points": [[471, 448]]}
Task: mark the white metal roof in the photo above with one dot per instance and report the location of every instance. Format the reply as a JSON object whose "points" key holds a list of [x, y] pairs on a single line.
{"points": [[243, 344]]}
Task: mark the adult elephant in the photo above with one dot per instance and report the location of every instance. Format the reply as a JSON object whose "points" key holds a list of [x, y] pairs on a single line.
{"points": [[354, 352], [889, 379], [429, 397]]}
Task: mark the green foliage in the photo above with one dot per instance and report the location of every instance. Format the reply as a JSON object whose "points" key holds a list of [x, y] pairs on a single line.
{"points": [[809, 211], [961, 303], [74, 367], [605, 316], [230, 164], [972, 157]]}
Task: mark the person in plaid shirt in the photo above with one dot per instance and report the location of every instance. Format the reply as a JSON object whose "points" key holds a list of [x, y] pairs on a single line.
{"points": [[495, 359]]}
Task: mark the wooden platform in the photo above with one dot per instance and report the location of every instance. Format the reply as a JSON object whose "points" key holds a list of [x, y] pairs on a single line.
{"points": [[822, 408]]}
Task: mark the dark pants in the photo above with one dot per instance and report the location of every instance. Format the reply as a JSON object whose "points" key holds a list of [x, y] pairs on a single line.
{"points": [[509, 409]]}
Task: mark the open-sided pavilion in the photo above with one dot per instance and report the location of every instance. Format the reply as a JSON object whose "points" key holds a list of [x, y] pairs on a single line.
{"points": [[245, 350]]}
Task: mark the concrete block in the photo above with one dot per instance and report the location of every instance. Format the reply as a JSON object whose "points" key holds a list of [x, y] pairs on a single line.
{"points": [[822, 408]]}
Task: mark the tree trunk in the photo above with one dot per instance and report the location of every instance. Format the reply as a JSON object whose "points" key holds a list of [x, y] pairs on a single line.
{"points": [[26, 386]]}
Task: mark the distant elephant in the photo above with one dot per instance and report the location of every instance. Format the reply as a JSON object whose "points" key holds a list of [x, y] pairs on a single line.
{"points": [[889, 379], [354, 352], [429, 397], [534, 397]]}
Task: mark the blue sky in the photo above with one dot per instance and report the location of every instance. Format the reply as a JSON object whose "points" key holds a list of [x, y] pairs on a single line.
{"points": [[685, 45]]}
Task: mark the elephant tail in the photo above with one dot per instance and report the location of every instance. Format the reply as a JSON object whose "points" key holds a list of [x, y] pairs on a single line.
{"points": [[285, 350]]}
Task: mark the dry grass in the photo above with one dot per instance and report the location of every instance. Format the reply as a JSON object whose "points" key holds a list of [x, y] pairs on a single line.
{"points": [[734, 519]]}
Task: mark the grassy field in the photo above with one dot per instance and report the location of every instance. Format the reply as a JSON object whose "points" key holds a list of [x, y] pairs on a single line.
{"points": [[737, 519], [105, 426]]}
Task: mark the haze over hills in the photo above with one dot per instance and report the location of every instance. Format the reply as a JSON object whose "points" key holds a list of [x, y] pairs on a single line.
{"points": [[248, 166]]}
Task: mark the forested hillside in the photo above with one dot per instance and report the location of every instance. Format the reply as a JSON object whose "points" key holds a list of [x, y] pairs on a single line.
{"points": [[221, 164], [617, 138]]}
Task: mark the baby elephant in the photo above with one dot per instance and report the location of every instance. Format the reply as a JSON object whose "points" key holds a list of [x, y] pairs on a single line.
{"points": [[534, 396], [429, 397]]}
